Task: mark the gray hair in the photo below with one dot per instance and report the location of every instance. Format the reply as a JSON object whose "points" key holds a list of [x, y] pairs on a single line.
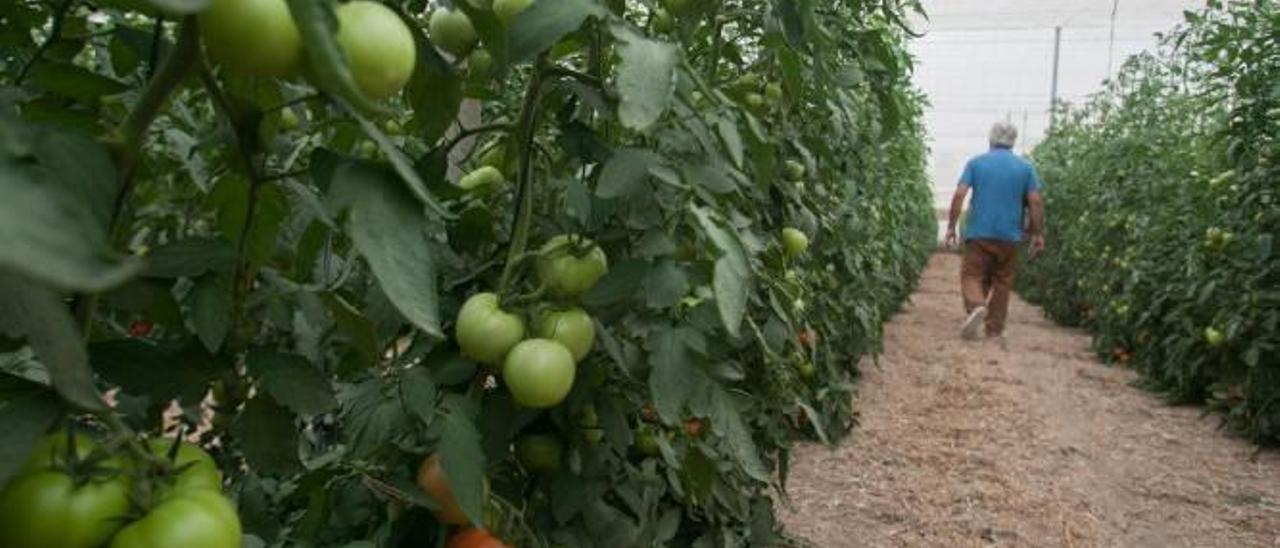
{"points": [[1003, 134]]}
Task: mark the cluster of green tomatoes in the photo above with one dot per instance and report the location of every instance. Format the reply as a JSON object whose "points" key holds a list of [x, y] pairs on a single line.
{"points": [[260, 38], [72, 493], [538, 370]]}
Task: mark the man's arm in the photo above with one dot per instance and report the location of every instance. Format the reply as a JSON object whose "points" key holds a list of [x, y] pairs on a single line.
{"points": [[1036, 204], [957, 206]]}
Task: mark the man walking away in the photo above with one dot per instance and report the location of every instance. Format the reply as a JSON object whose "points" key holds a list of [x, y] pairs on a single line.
{"points": [[1003, 185]]}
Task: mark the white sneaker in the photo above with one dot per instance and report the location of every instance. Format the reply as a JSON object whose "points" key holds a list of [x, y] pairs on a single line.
{"points": [[1000, 339], [969, 329]]}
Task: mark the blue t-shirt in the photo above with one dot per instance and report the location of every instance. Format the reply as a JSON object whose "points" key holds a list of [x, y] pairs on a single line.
{"points": [[1000, 181]]}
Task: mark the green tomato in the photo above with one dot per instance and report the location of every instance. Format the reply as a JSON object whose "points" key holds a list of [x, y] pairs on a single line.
{"points": [[51, 452], [806, 369], [451, 31], [378, 46], [539, 453], [252, 37], [1213, 337], [479, 63], [392, 127], [485, 332], [196, 469], [773, 92], [494, 155], [794, 242], [573, 328], [747, 81], [593, 436], [190, 519], [565, 274], [753, 100], [646, 443], [539, 373], [587, 417], [506, 10], [680, 6], [662, 21], [288, 119], [793, 170], [482, 177], [46, 509]]}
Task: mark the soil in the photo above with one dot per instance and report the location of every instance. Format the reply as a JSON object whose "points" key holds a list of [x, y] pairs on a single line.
{"points": [[1036, 444]]}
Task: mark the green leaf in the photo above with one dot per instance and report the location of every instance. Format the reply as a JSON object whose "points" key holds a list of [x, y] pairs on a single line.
{"points": [[434, 92], [361, 332], [371, 418], [268, 436], [731, 279], [292, 381], [402, 165], [726, 419], [50, 231], [75, 82], [618, 285], [27, 410], [666, 284], [544, 23], [646, 78], [792, 14], [230, 196], [210, 304], [159, 373], [462, 458], [670, 381], [326, 62], [418, 390], [731, 139], [82, 167], [394, 235], [37, 313], [710, 177], [625, 172], [181, 7], [189, 258]]}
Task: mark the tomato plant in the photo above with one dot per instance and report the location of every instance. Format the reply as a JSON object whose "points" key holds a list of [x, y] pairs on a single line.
{"points": [[1164, 215], [336, 271]]}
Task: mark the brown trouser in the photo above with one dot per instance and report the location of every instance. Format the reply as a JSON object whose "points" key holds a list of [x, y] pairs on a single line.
{"points": [[986, 278]]}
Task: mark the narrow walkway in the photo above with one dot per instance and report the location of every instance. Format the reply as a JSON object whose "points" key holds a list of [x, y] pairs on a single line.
{"points": [[962, 444]]}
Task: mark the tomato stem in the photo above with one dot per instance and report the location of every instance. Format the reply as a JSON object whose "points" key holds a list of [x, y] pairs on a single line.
{"points": [[525, 132], [127, 139]]}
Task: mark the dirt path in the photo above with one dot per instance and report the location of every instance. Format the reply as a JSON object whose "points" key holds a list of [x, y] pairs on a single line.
{"points": [[963, 444]]}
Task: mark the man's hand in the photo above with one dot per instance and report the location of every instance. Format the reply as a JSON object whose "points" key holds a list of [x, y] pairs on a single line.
{"points": [[950, 241], [1037, 244]]}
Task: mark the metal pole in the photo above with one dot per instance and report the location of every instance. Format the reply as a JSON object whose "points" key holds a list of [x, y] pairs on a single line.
{"points": [[1111, 41], [1057, 55]]}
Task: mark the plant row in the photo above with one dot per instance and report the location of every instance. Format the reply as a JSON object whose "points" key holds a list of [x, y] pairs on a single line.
{"points": [[549, 273], [1163, 203]]}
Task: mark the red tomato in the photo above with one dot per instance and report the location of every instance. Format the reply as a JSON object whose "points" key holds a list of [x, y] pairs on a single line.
{"points": [[475, 538]]}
